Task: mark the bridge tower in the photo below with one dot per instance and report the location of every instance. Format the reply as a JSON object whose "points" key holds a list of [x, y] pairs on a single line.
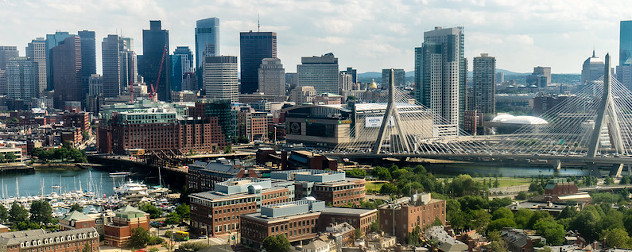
{"points": [[391, 111], [606, 116]]}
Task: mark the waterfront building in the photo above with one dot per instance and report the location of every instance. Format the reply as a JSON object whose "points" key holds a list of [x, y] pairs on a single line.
{"points": [[36, 52], [203, 176], [299, 221], [16, 151], [220, 78], [21, 79], [88, 58], [332, 187], [118, 232], [155, 55], [400, 77], [440, 75], [319, 72], [53, 40], [66, 71], [253, 48], [206, 39], [76, 220], [484, 85], [403, 215], [592, 69], [7, 53], [40, 240], [272, 78]]}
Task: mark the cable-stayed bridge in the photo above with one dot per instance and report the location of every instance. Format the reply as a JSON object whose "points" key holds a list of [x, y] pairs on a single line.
{"points": [[592, 126]]}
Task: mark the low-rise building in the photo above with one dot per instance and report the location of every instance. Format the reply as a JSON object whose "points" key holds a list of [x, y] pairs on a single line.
{"points": [[559, 187], [202, 176], [330, 186], [402, 216], [445, 242], [40, 240], [126, 219], [76, 220], [520, 240]]}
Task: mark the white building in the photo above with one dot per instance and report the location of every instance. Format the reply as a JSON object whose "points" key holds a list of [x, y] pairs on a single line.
{"points": [[272, 77], [220, 78], [319, 72]]}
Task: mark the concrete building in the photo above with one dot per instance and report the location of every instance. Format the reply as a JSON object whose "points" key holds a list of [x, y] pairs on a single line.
{"points": [[203, 176], [112, 85], [66, 70], [400, 77], [253, 125], [446, 243], [354, 74], [319, 72], [401, 217], [485, 85], [345, 82], [592, 69], [40, 240], [519, 240], [500, 77], [302, 94], [291, 80], [95, 85], [440, 75], [3, 82], [155, 51], [272, 78], [7, 53], [21, 79], [333, 187], [220, 78], [88, 57], [36, 52], [541, 77], [253, 48], [126, 219]]}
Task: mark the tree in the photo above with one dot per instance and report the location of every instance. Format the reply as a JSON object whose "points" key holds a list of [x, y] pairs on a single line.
{"points": [[480, 220], [375, 227], [553, 232], [502, 213], [184, 211], [521, 195], [76, 207], [522, 217], [18, 213], [358, 233], [465, 185], [588, 223], [497, 203], [87, 247], [381, 173], [538, 216], [153, 211], [9, 157], [173, 218], [388, 189], [616, 238], [497, 243], [436, 222], [41, 212], [228, 148], [140, 237], [276, 244], [498, 224], [4, 214], [356, 173]]}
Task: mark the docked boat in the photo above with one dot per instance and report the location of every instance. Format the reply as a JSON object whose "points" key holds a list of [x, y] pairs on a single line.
{"points": [[131, 188]]}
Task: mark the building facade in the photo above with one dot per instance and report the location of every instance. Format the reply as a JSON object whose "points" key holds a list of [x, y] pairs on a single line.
{"points": [[40, 240], [592, 69], [21, 78], [319, 72], [253, 48], [206, 39], [7, 53], [66, 70], [272, 78], [181, 64], [401, 217], [541, 77], [110, 49], [400, 77], [118, 232], [155, 55], [52, 40], [220, 78], [485, 85], [36, 52], [88, 57], [202, 176], [332, 187]]}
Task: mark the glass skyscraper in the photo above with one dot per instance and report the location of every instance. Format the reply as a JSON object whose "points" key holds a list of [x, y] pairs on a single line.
{"points": [[52, 40], [253, 48], [625, 43], [88, 57], [155, 44], [206, 39]]}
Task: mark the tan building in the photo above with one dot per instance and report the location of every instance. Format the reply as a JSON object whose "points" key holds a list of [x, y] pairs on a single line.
{"points": [[126, 219], [400, 218]]}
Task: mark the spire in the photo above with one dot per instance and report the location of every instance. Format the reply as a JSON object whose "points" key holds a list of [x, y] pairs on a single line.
{"points": [[593, 52], [258, 24]]}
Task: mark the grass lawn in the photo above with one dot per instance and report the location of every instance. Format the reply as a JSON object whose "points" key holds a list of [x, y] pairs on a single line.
{"points": [[507, 181], [375, 186]]}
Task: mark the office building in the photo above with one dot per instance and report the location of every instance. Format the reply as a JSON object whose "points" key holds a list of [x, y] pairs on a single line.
{"points": [[88, 57], [52, 40], [345, 82], [7, 53], [592, 69], [485, 85], [110, 48], [206, 40], [541, 77], [95, 84], [440, 75], [202, 176], [253, 48], [403, 215], [129, 65], [624, 75], [625, 43], [399, 80], [272, 78], [319, 72], [66, 71], [253, 125], [181, 64], [76, 220], [21, 79], [155, 55], [500, 77], [333, 187], [225, 112], [3, 82], [220, 78], [291, 80], [354, 74], [84, 239], [36, 52], [126, 219]]}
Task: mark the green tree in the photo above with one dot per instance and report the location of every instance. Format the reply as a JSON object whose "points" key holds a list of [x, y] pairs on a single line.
{"points": [[553, 232], [616, 238], [228, 148], [9, 157], [184, 211], [389, 189], [521, 195], [436, 222], [41, 212], [153, 211], [76, 207], [502, 213], [276, 244], [522, 217], [381, 173], [498, 224], [140, 237], [497, 203], [497, 244], [465, 185], [4, 214], [18, 213], [356, 173], [480, 219], [87, 247], [538, 216], [173, 218], [588, 223]]}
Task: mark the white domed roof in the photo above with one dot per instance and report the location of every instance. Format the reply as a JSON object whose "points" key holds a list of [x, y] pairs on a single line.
{"points": [[510, 119]]}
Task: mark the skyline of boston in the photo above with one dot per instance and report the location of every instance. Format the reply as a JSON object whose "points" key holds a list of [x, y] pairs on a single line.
{"points": [[368, 35]]}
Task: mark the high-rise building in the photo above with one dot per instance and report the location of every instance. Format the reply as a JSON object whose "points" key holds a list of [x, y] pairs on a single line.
{"points": [[272, 77], [181, 63], [6, 53], [500, 77], [485, 85], [345, 82], [319, 72], [21, 78], [541, 77], [3, 82], [354, 74], [155, 55], [110, 49], [52, 40], [129, 66], [220, 78], [254, 47], [36, 52], [625, 43], [400, 77], [206, 39], [66, 70], [440, 75], [592, 69], [88, 57]]}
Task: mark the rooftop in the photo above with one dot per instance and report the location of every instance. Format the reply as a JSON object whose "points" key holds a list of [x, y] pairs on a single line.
{"points": [[524, 120]]}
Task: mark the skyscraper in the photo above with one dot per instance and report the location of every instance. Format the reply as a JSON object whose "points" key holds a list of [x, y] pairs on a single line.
{"points": [[181, 63], [36, 51], [272, 78], [625, 43], [110, 50], [220, 78], [66, 70], [155, 45], [400, 77], [127, 59], [21, 78], [319, 72], [485, 85], [354, 74], [592, 69], [206, 39], [541, 77], [6, 53], [254, 47], [88, 57], [52, 40], [440, 75]]}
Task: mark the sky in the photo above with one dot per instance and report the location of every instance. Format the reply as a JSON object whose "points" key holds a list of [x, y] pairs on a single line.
{"points": [[368, 35]]}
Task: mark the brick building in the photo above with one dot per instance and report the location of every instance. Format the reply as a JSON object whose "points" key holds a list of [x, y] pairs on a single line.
{"points": [[253, 125], [558, 187], [402, 216], [126, 219], [39, 240], [218, 212], [298, 221], [76, 220], [330, 186], [202, 176], [79, 120]]}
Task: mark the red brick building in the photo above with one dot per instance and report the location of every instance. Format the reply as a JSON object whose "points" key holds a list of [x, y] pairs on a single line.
{"points": [[341, 193], [126, 219], [76, 220], [39, 240], [202, 176], [79, 120], [558, 187], [400, 218]]}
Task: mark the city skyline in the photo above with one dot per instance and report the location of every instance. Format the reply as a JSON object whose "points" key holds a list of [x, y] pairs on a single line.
{"points": [[357, 32]]}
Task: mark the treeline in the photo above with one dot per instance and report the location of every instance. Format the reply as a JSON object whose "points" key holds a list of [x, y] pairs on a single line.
{"points": [[18, 217], [64, 154]]}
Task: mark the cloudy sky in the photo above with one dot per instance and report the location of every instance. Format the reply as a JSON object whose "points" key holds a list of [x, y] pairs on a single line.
{"points": [[366, 34]]}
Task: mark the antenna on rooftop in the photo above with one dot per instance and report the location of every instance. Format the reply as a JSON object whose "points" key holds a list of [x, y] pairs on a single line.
{"points": [[258, 24]]}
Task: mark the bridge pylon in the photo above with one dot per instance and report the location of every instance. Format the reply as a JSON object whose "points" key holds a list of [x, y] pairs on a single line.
{"points": [[391, 111], [606, 116]]}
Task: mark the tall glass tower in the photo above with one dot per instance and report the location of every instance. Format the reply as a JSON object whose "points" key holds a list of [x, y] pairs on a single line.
{"points": [[625, 43], [253, 48], [206, 39]]}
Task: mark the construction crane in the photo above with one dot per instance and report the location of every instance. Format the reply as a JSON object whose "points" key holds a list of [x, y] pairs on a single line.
{"points": [[153, 95]]}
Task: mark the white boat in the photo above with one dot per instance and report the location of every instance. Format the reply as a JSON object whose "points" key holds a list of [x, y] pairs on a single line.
{"points": [[131, 188]]}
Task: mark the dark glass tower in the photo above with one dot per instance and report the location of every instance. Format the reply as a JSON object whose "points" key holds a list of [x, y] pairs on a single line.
{"points": [[254, 47], [88, 57], [625, 43], [206, 39], [66, 68], [155, 44], [52, 40]]}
